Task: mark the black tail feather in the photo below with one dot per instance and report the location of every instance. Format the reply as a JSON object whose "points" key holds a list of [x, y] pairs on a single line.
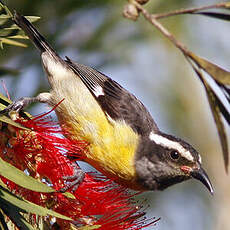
{"points": [[38, 40]]}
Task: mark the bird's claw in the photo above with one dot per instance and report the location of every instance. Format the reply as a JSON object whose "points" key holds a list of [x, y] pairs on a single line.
{"points": [[74, 180], [16, 106]]}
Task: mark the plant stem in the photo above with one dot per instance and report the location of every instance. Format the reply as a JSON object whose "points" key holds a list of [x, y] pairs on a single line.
{"points": [[152, 19], [192, 10]]}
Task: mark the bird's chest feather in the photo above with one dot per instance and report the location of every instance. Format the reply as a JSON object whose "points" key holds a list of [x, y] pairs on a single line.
{"points": [[112, 145]]}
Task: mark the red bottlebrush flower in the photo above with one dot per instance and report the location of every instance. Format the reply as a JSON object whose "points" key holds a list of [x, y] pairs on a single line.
{"points": [[41, 152]]}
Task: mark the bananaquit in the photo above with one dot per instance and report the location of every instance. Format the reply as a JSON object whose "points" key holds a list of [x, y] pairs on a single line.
{"points": [[124, 141]]}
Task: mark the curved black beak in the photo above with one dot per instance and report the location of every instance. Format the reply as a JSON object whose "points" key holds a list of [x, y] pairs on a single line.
{"points": [[202, 176]]}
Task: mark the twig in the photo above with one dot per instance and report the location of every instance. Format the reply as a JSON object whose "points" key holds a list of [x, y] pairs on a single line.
{"points": [[152, 19], [192, 10]]}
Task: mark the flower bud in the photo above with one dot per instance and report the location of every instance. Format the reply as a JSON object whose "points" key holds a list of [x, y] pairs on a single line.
{"points": [[130, 12]]}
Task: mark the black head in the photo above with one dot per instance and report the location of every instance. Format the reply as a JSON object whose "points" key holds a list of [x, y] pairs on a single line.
{"points": [[163, 160]]}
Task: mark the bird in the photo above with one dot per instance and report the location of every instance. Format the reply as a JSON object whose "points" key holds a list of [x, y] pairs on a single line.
{"points": [[124, 142]]}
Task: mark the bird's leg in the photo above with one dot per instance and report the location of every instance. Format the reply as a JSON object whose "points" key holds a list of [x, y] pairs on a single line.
{"points": [[74, 180], [18, 105]]}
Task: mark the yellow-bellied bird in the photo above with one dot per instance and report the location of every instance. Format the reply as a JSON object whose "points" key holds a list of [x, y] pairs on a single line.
{"points": [[124, 141]]}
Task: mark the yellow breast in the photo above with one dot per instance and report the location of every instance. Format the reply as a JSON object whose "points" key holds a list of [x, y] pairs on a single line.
{"points": [[112, 145]]}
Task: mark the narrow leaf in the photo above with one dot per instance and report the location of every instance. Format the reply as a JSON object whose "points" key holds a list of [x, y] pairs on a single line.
{"points": [[214, 103], [4, 100], [3, 224], [4, 16], [29, 18], [1, 5], [28, 206], [221, 16], [7, 120], [5, 33], [12, 42], [18, 37], [217, 73], [32, 18], [7, 10], [13, 213], [3, 21], [223, 109], [19, 177]]}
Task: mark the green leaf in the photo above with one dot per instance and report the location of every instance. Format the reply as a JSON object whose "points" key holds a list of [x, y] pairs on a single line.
{"points": [[215, 106], [18, 37], [1, 5], [27, 206], [4, 101], [4, 16], [2, 22], [217, 73], [29, 18], [19, 177], [212, 98], [13, 213], [223, 109], [3, 224], [7, 10], [7, 120], [12, 42], [221, 16], [32, 18], [6, 36]]}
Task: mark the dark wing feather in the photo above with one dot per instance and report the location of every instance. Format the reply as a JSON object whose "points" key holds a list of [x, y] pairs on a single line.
{"points": [[116, 102]]}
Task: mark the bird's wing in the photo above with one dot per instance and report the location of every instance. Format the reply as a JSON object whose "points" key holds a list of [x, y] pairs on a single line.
{"points": [[116, 102]]}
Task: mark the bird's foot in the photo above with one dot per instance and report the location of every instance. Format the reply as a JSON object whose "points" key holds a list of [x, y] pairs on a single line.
{"points": [[18, 105], [74, 180]]}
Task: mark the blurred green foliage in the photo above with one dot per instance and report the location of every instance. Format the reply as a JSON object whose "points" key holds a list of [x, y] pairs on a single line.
{"points": [[66, 24]]}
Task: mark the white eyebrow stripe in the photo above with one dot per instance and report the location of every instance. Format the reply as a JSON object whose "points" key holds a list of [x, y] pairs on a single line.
{"points": [[163, 141]]}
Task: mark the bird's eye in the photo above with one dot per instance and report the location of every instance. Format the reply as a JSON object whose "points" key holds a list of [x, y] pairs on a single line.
{"points": [[174, 155]]}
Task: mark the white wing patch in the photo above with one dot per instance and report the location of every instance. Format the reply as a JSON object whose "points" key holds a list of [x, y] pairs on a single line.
{"points": [[163, 141], [98, 91]]}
